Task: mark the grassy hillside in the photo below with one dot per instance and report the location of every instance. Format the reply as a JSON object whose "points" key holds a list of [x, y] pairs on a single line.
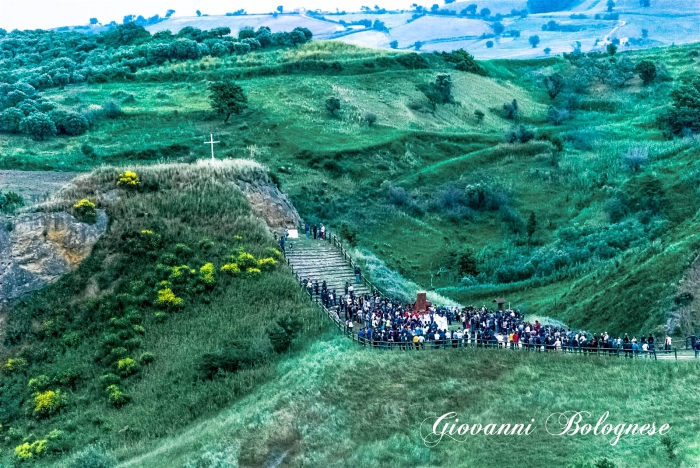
{"points": [[339, 405], [128, 348], [607, 230], [154, 351]]}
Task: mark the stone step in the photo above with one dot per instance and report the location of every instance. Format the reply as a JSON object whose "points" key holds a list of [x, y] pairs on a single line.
{"points": [[319, 264]]}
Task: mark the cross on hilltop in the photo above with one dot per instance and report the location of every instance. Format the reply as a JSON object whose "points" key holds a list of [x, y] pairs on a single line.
{"points": [[212, 143]]}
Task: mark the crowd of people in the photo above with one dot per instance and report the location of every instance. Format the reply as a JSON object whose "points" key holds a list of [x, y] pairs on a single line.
{"points": [[384, 322]]}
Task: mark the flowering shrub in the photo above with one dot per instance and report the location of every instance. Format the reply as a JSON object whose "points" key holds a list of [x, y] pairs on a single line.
{"points": [[48, 402], [139, 329], [267, 264], [14, 365], [246, 260], [128, 179], [28, 451], [39, 383], [206, 273], [167, 298], [85, 211], [231, 268], [177, 271], [253, 271], [127, 367], [116, 396], [146, 232]]}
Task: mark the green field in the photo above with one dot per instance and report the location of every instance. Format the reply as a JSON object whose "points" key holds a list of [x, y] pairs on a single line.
{"points": [[612, 193]]}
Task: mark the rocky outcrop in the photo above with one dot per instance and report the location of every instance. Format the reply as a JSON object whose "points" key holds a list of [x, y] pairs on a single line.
{"points": [[37, 248], [271, 204]]}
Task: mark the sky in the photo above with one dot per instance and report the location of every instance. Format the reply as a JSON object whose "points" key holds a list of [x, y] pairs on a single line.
{"points": [[44, 14]]}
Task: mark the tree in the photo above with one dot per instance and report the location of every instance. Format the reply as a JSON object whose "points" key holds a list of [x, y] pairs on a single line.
{"points": [[498, 28], [612, 49], [370, 118], [10, 120], [465, 261], [38, 125], [333, 105], [93, 21], [511, 110], [169, 13], [69, 123], [439, 91], [280, 9], [557, 116], [489, 44], [645, 34], [418, 45], [199, 13], [622, 72], [227, 98], [534, 40], [610, 5], [61, 79], [394, 44], [531, 225], [647, 71], [684, 117], [547, 50], [485, 12], [554, 84]]}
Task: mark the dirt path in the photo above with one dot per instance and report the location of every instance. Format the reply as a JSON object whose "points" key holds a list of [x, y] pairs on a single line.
{"points": [[34, 186]]}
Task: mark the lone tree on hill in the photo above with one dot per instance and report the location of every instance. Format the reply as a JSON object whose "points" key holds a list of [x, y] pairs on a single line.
{"points": [[333, 105], [612, 49], [647, 71], [227, 98], [554, 84], [439, 91], [610, 5], [511, 111], [534, 40]]}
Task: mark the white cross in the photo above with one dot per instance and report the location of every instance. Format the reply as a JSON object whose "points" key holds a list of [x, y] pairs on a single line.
{"points": [[211, 142]]}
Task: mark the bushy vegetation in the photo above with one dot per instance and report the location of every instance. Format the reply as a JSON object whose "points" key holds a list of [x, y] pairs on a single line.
{"points": [[33, 61], [112, 342]]}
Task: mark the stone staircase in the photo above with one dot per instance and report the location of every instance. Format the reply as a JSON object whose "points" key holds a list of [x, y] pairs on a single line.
{"points": [[323, 260]]}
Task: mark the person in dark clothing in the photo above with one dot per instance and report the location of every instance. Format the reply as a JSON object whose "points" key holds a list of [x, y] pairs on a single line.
{"points": [[315, 231], [357, 274]]}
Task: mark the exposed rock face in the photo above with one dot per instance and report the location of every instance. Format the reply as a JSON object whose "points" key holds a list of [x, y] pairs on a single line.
{"points": [[37, 248], [271, 204]]}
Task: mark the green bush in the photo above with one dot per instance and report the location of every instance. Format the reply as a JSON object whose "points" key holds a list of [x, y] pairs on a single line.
{"points": [[92, 456], [38, 125], [10, 120]]}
